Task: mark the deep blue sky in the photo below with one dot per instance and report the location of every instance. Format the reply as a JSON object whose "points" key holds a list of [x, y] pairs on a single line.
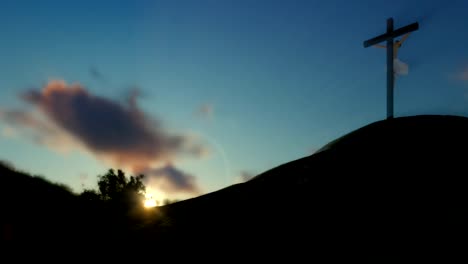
{"points": [[280, 78]]}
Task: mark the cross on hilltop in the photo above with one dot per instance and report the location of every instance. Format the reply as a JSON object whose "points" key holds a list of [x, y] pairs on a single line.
{"points": [[389, 36]]}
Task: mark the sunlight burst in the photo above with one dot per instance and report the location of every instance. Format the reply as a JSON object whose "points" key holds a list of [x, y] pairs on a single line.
{"points": [[150, 202]]}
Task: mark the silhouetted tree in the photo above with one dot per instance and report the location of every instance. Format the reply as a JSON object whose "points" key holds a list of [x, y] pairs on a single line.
{"points": [[113, 186], [115, 208], [117, 189]]}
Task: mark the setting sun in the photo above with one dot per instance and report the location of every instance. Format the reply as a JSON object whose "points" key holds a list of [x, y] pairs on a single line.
{"points": [[153, 198], [150, 202]]}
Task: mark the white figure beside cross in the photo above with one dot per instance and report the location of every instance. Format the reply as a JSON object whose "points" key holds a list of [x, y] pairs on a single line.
{"points": [[399, 67]]}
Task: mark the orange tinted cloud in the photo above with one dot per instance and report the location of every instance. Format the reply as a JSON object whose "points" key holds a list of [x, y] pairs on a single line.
{"points": [[120, 133]]}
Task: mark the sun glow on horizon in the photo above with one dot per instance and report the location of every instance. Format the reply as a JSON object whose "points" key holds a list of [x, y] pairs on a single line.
{"points": [[153, 200], [150, 202]]}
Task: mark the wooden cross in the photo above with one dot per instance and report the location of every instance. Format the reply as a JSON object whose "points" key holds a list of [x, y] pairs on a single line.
{"points": [[389, 36]]}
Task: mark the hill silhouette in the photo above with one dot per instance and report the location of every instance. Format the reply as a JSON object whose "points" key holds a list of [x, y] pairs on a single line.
{"points": [[35, 210], [392, 190], [32, 207]]}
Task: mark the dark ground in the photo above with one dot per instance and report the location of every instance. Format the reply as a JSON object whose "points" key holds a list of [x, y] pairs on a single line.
{"points": [[393, 191]]}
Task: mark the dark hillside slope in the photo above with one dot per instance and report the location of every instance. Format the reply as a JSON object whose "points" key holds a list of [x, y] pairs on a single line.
{"points": [[390, 188], [34, 209]]}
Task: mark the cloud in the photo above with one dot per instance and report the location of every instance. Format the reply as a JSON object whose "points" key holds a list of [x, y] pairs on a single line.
{"points": [[25, 119], [96, 74], [40, 131], [463, 75], [169, 179], [205, 111], [119, 133]]}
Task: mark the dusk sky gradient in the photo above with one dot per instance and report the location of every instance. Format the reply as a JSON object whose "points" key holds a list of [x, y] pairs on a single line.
{"points": [[227, 88]]}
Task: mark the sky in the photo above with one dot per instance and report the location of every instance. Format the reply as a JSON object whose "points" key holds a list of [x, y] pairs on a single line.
{"points": [[199, 95]]}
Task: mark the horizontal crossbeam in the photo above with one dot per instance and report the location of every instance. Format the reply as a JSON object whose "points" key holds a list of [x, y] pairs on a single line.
{"points": [[391, 35]]}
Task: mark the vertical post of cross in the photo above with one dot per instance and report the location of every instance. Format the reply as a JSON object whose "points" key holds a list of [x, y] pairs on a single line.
{"points": [[390, 71], [388, 38]]}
